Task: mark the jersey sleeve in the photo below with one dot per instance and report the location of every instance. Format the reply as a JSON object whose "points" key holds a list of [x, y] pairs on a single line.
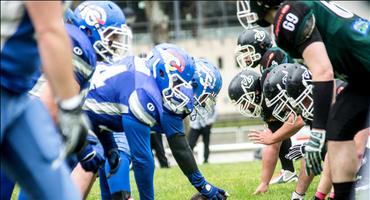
{"points": [[143, 107], [83, 57], [295, 28], [171, 124]]}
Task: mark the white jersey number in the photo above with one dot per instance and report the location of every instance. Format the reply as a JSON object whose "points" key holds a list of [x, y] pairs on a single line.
{"points": [[103, 72], [290, 21]]}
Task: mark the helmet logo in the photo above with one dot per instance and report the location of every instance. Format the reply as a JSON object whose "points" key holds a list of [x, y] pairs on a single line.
{"points": [[259, 35], [209, 80], [92, 14], [306, 75], [284, 79], [247, 81], [173, 61]]}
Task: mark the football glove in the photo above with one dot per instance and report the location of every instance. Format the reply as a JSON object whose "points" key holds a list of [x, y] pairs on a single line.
{"points": [[92, 157], [313, 152], [114, 160], [74, 125], [296, 152], [206, 189], [213, 193]]}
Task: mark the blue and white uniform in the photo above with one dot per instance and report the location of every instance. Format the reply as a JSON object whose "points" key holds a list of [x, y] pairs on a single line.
{"points": [[120, 181], [83, 61], [28, 146], [125, 97]]}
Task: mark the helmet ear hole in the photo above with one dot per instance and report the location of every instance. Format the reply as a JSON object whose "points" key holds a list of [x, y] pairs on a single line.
{"points": [[161, 73], [194, 84], [87, 31]]}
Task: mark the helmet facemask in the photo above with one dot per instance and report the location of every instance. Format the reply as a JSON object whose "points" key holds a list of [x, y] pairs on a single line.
{"points": [[175, 96], [246, 56], [247, 105], [244, 14], [304, 102], [115, 43], [282, 110]]}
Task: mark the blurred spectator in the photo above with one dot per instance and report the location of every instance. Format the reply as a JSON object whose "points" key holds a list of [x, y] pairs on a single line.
{"points": [[201, 124], [157, 145]]}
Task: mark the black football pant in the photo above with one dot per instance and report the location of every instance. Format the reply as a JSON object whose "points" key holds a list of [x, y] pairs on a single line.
{"points": [[286, 164], [157, 144], [194, 135]]}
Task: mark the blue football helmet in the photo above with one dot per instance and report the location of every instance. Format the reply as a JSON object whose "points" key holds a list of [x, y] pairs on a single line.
{"points": [[173, 70], [104, 24], [207, 83]]}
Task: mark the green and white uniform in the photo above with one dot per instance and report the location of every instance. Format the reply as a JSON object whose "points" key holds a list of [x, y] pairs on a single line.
{"points": [[346, 36]]}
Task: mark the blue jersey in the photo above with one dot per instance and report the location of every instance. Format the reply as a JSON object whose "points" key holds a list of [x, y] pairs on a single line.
{"points": [[83, 60], [127, 88], [20, 58], [84, 56]]}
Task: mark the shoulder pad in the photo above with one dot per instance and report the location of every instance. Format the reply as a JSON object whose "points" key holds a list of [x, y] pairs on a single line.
{"points": [[143, 108], [294, 24], [84, 57]]}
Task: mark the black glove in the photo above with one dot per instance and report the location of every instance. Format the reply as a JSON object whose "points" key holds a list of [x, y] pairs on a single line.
{"points": [[114, 160], [92, 157]]}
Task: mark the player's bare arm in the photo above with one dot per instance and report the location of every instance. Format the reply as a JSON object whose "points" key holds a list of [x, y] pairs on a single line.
{"points": [[284, 132], [56, 55]]}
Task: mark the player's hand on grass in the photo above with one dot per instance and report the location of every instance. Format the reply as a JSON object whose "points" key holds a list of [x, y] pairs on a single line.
{"points": [[114, 161], [313, 152], [296, 152], [261, 137], [213, 193], [92, 157], [73, 123], [262, 188]]}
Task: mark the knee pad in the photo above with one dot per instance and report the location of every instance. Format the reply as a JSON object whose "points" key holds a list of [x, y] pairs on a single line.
{"points": [[121, 195]]}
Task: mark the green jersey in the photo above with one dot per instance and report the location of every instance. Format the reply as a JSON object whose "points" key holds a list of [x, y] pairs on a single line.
{"points": [[346, 36]]}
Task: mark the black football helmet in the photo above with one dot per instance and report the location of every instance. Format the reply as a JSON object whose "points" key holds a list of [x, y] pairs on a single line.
{"points": [[252, 44], [299, 90], [246, 92], [275, 94], [274, 57], [252, 12]]}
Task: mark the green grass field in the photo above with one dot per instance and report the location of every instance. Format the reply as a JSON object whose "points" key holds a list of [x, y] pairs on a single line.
{"points": [[239, 179]]}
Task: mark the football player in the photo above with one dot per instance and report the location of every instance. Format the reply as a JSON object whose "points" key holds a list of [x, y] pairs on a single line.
{"points": [[299, 92], [255, 50], [252, 45], [206, 85], [156, 94], [331, 40], [104, 22], [28, 146], [292, 83], [245, 92], [85, 54]]}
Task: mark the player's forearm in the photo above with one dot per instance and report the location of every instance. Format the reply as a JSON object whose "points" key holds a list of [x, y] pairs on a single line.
{"points": [[270, 156], [47, 97], [287, 130], [182, 153], [55, 50], [54, 45], [317, 60]]}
